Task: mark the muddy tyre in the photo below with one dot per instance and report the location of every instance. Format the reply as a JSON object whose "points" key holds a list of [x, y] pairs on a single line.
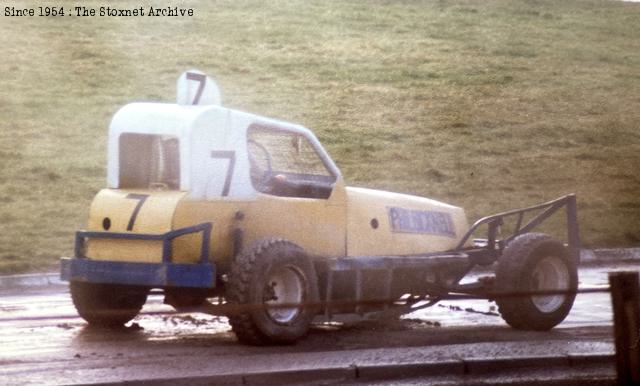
{"points": [[535, 262], [107, 305], [272, 272]]}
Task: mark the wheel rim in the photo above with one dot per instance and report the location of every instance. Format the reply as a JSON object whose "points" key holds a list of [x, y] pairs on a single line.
{"points": [[285, 285], [549, 274]]}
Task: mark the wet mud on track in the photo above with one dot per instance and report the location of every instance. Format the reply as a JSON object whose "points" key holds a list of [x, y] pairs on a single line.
{"points": [[42, 341]]}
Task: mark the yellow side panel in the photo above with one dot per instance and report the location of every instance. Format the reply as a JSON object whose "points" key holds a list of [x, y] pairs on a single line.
{"points": [[221, 213], [316, 225], [372, 233], [117, 208]]}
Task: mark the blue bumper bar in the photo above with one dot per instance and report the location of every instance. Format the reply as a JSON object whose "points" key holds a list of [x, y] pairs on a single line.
{"points": [[144, 274], [164, 274]]}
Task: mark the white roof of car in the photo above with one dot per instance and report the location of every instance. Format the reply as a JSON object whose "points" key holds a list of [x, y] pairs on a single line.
{"points": [[200, 130]]}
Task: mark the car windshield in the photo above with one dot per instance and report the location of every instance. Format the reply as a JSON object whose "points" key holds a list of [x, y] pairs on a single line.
{"points": [[285, 155]]}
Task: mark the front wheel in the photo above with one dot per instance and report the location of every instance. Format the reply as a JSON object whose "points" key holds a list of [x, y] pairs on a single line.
{"points": [[107, 305], [536, 262], [263, 281]]}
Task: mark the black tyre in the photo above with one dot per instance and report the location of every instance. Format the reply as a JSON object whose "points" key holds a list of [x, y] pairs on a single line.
{"points": [[107, 305], [535, 262], [272, 272]]}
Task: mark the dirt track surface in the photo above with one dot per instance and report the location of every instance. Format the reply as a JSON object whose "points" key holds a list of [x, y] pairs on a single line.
{"points": [[42, 341]]}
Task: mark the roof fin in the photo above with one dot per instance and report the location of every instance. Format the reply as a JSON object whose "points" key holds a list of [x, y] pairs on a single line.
{"points": [[196, 88]]}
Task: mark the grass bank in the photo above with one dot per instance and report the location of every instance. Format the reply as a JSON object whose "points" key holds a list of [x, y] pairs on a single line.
{"points": [[488, 105]]}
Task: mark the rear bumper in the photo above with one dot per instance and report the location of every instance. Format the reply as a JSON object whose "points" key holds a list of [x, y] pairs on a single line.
{"points": [[161, 274], [144, 274]]}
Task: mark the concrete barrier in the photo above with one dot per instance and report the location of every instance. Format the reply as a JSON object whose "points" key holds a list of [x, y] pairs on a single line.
{"points": [[464, 367]]}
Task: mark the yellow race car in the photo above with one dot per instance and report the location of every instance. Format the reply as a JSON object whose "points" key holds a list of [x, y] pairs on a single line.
{"points": [[205, 201]]}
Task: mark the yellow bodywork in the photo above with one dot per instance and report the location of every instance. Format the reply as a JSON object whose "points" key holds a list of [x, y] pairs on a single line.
{"points": [[208, 165], [351, 222], [370, 232], [316, 225], [155, 216]]}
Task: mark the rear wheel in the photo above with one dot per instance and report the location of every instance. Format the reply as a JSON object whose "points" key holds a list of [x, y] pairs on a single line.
{"points": [[273, 273], [536, 262], [107, 304]]}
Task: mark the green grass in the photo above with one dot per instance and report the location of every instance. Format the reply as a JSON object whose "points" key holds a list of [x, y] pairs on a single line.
{"points": [[489, 105]]}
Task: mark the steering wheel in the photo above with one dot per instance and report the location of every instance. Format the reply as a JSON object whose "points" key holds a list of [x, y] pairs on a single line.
{"points": [[260, 167]]}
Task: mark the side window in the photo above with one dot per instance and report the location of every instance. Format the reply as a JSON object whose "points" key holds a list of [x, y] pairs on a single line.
{"points": [[149, 161], [285, 163]]}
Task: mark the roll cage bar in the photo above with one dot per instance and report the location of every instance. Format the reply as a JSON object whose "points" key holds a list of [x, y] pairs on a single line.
{"points": [[487, 250]]}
